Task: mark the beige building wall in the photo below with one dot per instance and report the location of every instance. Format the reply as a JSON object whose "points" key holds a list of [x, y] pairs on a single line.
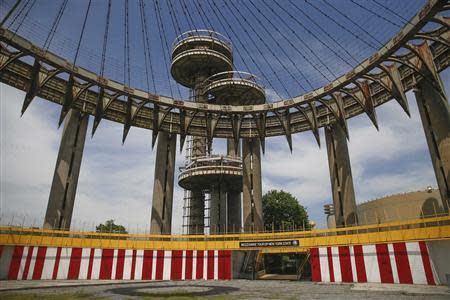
{"points": [[400, 207]]}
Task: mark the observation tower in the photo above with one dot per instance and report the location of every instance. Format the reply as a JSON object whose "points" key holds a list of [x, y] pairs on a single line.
{"points": [[202, 61]]}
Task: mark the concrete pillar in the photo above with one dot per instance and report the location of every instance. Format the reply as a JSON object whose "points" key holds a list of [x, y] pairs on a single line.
{"points": [[341, 176], [234, 204], [252, 187], [65, 179], [161, 219], [218, 209], [435, 114], [196, 218]]}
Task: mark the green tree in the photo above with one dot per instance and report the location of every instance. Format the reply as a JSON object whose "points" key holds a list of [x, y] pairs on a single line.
{"points": [[282, 211], [111, 227]]}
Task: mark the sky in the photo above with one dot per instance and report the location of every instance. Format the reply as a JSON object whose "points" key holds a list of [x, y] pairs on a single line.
{"points": [[116, 180]]}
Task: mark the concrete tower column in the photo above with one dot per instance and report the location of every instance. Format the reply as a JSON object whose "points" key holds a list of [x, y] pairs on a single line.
{"points": [[161, 219], [435, 114], [65, 179], [341, 176], [252, 188], [196, 218], [218, 209], [234, 204]]}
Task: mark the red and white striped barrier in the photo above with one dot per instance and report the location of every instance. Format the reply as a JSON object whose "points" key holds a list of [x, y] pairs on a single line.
{"points": [[25, 263], [385, 263]]}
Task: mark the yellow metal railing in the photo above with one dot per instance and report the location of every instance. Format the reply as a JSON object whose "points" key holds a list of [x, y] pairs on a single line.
{"points": [[436, 228]]}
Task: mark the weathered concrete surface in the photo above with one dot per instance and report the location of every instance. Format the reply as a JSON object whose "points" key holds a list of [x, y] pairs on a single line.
{"points": [[435, 114], [235, 289], [218, 209], [341, 176], [252, 186], [161, 219], [65, 179], [234, 200]]}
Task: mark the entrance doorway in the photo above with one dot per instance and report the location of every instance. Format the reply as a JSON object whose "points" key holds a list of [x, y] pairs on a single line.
{"points": [[287, 266]]}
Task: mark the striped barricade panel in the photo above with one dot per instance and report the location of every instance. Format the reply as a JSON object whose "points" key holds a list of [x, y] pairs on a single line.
{"points": [[28, 262], [407, 263]]}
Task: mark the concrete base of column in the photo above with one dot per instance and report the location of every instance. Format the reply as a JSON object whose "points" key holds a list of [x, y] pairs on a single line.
{"points": [[161, 219], [65, 179], [435, 114], [341, 176], [252, 186]]}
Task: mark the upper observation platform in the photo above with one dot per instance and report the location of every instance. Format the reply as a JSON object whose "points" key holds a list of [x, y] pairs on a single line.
{"points": [[207, 170], [200, 53], [234, 88]]}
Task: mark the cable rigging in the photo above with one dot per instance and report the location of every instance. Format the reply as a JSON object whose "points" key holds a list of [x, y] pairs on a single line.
{"points": [[105, 38], [269, 83], [332, 19], [55, 25], [259, 50], [147, 49], [376, 14], [82, 32]]}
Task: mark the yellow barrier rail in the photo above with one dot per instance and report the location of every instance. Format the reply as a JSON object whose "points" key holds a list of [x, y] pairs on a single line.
{"points": [[436, 228]]}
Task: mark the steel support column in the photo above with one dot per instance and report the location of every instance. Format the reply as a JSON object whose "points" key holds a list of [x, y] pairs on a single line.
{"points": [[252, 189], [65, 179], [341, 176], [161, 219], [435, 114]]}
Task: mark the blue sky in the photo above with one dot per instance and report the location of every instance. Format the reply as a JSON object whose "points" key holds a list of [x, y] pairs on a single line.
{"points": [[116, 181]]}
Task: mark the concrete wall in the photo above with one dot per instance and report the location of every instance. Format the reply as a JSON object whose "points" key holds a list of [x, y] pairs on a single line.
{"points": [[400, 207], [440, 254], [36, 263], [408, 263]]}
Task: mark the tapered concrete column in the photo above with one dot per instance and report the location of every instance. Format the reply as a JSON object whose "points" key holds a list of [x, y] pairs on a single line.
{"points": [[161, 220], [341, 176], [435, 114], [234, 204], [218, 209], [252, 189], [65, 179]]}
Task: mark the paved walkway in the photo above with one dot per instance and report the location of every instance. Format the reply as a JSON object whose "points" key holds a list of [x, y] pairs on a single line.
{"points": [[236, 289]]}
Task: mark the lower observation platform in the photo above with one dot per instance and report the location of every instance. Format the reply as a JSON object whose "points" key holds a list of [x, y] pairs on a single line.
{"points": [[207, 170]]}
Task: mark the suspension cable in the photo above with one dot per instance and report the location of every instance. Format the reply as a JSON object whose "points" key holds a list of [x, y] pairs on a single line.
{"points": [[176, 26], [82, 32], [188, 16], [10, 12], [279, 46], [353, 22], [147, 48], [105, 39], [295, 48], [220, 18], [259, 50], [376, 14], [126, 59], [319, 27], [392, 11], [19, 13], [55, 25], [162, 32]]}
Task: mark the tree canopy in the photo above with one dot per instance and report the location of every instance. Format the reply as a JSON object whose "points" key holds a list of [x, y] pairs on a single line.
{"points": [[110, 227], [282, 211]]}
